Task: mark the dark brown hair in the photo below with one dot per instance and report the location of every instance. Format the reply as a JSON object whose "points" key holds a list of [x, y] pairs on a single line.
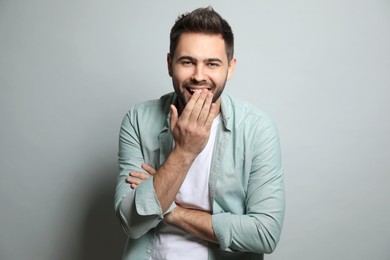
{"points": [[202, 20]]}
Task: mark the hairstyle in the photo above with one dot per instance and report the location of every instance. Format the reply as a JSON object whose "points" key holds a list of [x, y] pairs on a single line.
{"points": [[202, 20]]}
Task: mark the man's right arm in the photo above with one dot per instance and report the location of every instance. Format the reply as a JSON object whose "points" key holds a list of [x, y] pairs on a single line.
{"points": [[130, 158], [143, 208], [191, 132]]}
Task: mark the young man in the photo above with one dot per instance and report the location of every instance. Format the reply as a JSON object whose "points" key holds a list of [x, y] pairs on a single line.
{"points": [[200, 173]]}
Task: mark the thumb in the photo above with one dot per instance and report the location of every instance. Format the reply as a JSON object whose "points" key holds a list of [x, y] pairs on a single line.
{"points": [[174, 116]]}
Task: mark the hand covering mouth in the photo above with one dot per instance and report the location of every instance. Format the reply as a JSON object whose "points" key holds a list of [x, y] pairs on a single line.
{"points": [[193, 90], [193, 86]]}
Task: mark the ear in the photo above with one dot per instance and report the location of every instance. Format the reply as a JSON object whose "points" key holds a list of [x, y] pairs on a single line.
{"points": [[232, 66], [169, 63]]}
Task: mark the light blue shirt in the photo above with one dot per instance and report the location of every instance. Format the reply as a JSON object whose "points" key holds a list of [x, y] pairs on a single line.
{"points": [[246, 179]]}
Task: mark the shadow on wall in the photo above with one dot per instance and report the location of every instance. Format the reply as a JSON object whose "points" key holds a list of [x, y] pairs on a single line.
{"points": [[102, 236]]}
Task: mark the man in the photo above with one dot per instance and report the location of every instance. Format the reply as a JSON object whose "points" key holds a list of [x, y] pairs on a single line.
{"points": [[200, 173]]}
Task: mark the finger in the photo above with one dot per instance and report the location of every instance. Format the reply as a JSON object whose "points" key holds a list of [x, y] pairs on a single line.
{"points": [[148, 168], [206, 109], [140, 175], [174, 117], [132, 180], [198, 106], [133, 186], [212, 114], [187, 111]]}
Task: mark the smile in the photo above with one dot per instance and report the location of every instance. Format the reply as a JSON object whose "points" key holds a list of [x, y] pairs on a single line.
{"points": [[193, 90]]}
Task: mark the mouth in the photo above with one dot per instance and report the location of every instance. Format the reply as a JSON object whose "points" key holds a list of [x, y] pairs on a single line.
{"points": [[194, 90]]}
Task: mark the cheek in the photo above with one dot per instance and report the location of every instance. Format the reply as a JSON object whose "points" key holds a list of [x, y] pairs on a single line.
{"points": [[218, 78], [181, 75]]}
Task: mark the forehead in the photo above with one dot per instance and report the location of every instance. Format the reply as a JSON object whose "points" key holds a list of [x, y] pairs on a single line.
{"points": [[201, 46]]}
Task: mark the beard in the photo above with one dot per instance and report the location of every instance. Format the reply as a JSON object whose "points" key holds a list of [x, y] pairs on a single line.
{"points": [[182, 98]]}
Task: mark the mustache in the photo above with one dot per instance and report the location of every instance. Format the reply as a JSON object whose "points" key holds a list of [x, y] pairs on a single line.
{"points": [[191, 82]]}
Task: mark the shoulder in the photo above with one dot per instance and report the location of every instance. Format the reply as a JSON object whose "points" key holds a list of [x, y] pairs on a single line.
{"points": [[151, 111], [250, 124], [155, 106], [243, 113]]}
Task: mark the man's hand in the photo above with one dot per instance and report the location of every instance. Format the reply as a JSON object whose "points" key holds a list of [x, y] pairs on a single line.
{"points": [[135, 178], [191, 130]]}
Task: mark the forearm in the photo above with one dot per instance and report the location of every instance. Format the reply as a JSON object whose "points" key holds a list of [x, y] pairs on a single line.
{"points": [[190, 132], [196, 222], [169, 178]]}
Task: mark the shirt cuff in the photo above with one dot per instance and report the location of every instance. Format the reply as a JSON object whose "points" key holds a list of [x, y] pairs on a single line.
{"points": [[146, 200], [221, 224]]}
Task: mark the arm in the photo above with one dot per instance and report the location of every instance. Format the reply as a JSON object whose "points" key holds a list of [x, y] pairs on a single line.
{"points": [[130, 157], [258, 229], [191, 132], [143, 208], [193, 221]]}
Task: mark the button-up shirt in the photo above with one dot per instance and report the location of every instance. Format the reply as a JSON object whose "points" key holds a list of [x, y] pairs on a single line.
{"points": [[246, 179]]}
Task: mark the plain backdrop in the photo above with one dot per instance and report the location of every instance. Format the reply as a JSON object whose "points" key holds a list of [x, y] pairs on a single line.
{"points": [[70, 70]]}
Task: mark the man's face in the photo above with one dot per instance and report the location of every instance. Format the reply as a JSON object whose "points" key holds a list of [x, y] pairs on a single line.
{"points": [[199, 62]]}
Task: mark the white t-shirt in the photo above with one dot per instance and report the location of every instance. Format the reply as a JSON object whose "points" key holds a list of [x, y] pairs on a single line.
{"points": [[172, 242]]}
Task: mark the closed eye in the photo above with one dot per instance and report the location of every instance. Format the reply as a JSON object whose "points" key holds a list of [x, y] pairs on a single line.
{"points": [[186, 61], [213, 65]]}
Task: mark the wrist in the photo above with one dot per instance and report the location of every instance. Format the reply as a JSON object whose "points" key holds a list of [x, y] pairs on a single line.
{"points": [[182, 156], [172, 216]]}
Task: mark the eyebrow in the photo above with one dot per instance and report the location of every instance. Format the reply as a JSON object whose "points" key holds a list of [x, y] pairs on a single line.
{"points": [[186, 58], [214, 60], [190, 58]]}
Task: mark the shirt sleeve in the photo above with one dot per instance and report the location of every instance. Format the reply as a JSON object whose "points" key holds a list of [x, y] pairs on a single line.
{"points": [[258, 230], [138, 209]]}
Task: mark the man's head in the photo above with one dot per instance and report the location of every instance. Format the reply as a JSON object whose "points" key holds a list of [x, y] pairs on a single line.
{"points": [[201, 55], [202, 20]]}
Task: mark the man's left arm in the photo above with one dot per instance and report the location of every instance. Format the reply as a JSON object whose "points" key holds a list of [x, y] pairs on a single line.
{"points": [[259, 229], [194, 221]]}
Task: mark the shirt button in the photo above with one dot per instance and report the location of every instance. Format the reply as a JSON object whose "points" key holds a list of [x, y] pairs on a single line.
{"points": [[149, 251]]}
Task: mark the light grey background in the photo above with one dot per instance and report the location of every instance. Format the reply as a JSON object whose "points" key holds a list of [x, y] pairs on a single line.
{"points": [[70, 70]]}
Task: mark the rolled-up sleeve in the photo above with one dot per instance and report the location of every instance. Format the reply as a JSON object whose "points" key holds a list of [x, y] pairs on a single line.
{"points": [[138, 209], [259, 229]]}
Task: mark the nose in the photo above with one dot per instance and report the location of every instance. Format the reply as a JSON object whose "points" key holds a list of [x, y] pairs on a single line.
{"points": [[199, 73]]}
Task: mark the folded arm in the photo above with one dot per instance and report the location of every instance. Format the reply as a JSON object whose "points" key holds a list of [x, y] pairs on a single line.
{"points": [[142, 208]]}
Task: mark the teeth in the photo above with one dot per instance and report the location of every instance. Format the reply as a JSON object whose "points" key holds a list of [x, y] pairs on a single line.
{"points": [[195, 90]]}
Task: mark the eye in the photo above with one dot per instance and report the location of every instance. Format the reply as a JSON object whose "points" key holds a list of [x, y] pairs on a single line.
{"points": [[213, 65], [186, 63]]}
